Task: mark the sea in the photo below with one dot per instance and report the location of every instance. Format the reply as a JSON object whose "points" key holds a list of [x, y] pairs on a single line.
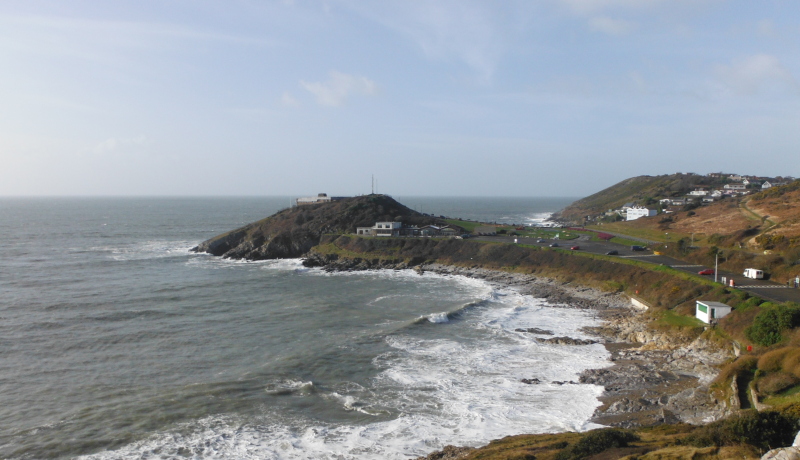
{"points": [[117, 342]]}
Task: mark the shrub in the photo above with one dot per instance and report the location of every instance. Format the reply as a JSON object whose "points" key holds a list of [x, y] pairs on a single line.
{"points": [[772, 360], [765, 430], [770, 323], [595, 442], [776, 382]]}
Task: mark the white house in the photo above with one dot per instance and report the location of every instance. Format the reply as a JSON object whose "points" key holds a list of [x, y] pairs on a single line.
{"points": [[381, 229], [709, 311], [635, 212], [735, 187], [699, 192], [716, 193]]}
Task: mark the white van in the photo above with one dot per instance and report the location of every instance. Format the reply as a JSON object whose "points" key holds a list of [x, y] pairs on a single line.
{"points": [[753, 273]]}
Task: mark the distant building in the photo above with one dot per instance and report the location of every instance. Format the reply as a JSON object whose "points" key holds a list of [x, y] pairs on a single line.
{"points": [[735, 186], [637, 212], [699, 192], [381, 229], [769, 184], [485, 230], [320, 198], [708, 311]]}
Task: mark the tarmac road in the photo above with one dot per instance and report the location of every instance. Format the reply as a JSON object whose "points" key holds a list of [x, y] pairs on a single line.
{"points": [[763, 288]]}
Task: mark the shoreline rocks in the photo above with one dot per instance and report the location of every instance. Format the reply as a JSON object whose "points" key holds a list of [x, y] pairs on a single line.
{"points": [[656, 377]]}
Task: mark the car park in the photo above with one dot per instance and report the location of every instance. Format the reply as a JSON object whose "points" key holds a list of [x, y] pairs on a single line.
{"points": [[707, 271]]}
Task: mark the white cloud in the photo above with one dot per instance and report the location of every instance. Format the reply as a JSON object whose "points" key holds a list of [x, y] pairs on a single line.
{"points": [[113, 144], [766, 28], [339, 87], [473, 33], [592, 6], [610, 26], [287, 100], [753, 74]]}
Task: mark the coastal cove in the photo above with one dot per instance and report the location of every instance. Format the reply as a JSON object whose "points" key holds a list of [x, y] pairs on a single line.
{"points": [[137, 347]]}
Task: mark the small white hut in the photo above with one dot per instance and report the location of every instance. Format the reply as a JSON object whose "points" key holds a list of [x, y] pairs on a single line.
{"points": [[709, 311]]}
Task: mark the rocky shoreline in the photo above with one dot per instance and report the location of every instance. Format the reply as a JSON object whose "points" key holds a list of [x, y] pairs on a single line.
{"points": [[657, 377]]}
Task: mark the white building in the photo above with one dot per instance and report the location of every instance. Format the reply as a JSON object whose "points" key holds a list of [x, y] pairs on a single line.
{"points": [[381, 229], [636, 212], [708, 311], [320, 198], [699, 192], [734, 187]]}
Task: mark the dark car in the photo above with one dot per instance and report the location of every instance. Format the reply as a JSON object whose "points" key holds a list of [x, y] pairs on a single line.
{"points": [[554, 245], [637, 248], [540, 240], [707, 271], [575, 248], [612, 253]]}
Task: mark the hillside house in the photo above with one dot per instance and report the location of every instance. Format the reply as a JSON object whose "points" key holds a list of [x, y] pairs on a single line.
{"points": [[381, 229], [709, 312], [636, 212], [320, 198], [734, 187], [699, 192]]}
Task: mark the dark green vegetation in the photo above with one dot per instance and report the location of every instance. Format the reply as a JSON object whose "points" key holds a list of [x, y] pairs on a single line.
{"points": [[294, 231], [745, 435]]}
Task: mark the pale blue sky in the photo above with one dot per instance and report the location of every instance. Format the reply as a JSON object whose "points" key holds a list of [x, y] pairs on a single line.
{"points": [[462, 97]]}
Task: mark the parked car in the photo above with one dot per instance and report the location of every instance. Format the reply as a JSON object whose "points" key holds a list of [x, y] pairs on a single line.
{"points": [[540, 240], [466, 235], [575, 248], [554, 245], [637, 248], [707, 271], [612, 252]]}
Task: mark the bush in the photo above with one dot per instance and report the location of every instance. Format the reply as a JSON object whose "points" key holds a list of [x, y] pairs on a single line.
{"points": [[770, 323], [776, 382], [595, 442], [765, 430], [772, 361]]}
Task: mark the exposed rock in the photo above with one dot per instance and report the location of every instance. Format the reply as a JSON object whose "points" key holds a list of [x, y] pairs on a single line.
{"points": [[534, 330], [565, 341], [530, 381], [785, 453]]}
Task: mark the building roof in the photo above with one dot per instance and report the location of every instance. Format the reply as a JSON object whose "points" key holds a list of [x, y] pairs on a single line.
{"points": [[711, 303]]}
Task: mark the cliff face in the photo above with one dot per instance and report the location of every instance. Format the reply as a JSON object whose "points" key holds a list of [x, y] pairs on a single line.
{"points": [[293, 232]]}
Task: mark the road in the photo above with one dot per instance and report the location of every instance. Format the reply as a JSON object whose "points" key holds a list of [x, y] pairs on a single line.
{"points": [[762, 288]]}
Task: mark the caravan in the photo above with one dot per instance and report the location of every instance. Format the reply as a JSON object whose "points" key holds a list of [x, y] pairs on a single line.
{"points": [[753, 273]]}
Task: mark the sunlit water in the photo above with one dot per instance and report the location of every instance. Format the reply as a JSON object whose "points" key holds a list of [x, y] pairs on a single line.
{"points": [[116, 342]]}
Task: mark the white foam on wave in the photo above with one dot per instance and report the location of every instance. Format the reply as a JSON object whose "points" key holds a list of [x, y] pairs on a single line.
{"points": [[207, 261], [154, 249], [438, 317], [462, 389]]}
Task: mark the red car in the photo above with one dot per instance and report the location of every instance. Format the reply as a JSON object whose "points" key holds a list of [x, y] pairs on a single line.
{"points": [[575, 248], [707, 271]]}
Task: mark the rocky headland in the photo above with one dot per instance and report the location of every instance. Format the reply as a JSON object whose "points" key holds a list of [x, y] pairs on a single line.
{"points": [[292, 232]]}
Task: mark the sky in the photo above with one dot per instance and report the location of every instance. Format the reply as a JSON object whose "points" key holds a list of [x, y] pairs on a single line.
{"points": [[443, 98]]}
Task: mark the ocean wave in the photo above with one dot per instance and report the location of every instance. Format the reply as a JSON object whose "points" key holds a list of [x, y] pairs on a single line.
{"points": [[153, 249]]}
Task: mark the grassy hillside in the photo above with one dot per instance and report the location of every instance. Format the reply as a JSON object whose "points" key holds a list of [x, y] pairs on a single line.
{"points": [[640, 190], [760, 231]]}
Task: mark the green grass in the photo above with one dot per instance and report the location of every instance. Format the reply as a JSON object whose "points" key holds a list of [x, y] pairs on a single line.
{"points": [[792, 395], [671, 318], [465, 224]]}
